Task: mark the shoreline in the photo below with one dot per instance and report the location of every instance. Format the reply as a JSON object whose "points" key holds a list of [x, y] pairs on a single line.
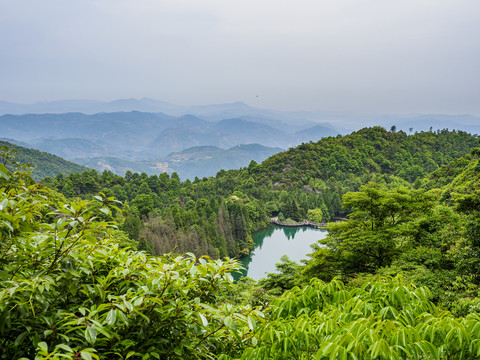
{"points": [[298, 224]]}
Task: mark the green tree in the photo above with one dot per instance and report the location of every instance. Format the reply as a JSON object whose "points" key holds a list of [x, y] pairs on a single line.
{"points": [[368, 240], [315, 215], [69, 291], [144, 204]]}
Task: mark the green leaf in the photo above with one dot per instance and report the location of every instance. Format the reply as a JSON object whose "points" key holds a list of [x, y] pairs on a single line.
{"points": [[91, 335], [3, 204], [64, 347], [105, 210], [20, 338], [228, 321], [204, 320], [86, 355], [4, 172], [251, 323], [111, 317], [43, 345]]}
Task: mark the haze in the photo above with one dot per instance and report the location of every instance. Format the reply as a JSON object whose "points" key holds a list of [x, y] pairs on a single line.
{"points": [[350, 55]]}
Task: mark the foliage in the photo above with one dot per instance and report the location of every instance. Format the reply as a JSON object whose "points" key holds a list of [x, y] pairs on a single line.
{"points": [[43, 164], [216, 216], [368, 241], [286, 277], [315, 215], [71, 288], [383, 319], [69, 291]]}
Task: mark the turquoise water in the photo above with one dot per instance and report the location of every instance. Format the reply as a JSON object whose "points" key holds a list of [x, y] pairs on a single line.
{"points": [[274, 242]]}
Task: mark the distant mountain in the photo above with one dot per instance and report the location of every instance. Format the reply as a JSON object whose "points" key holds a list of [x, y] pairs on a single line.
{"points": [[118, 166], [207, 161], [194, 123], [418, 123], [180, 138], [238, 131], [197, 161], [43, 164], [314, 133], [136, 136], [71, 148], [287, 121], [122, 129], [91, 107]]}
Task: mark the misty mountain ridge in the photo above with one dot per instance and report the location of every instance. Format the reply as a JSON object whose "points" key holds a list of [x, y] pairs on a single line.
{"points": [[137, 135], [344, 121], [130, 132], [197, 161]]}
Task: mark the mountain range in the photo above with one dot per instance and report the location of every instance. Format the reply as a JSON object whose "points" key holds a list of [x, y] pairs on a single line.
{"points": [[287, 121], [136, 134], [135, 140]]}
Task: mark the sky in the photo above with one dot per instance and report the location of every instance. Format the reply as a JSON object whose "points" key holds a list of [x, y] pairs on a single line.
{"points": [[371, 56]]}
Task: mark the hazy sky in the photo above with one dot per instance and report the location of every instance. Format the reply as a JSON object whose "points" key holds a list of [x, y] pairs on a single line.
{"points": [[396, 56]]}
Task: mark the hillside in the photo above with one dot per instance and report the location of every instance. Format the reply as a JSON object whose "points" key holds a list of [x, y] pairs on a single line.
{"points": [[370, 150], [106, 300], [44, 164], [217, 215], [407, 260]]}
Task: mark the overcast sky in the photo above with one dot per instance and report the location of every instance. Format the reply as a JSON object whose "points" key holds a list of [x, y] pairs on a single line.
{"points": [[390, 56]]}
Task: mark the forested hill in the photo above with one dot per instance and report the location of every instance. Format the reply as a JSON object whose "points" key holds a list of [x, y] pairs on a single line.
{"points": [[70, 289], [217, 215], [44, 164], [369, 150]]}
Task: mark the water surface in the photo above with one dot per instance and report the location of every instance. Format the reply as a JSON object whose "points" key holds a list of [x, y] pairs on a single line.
{"points": [[274, 242]]}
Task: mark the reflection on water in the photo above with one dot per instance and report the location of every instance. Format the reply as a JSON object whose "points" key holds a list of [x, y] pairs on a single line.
{"points": [[274, 242]]}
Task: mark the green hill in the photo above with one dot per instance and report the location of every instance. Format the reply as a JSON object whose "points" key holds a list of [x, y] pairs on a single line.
{"points": [[369, 150], [43, 164], [406, 266], [217, 215]]}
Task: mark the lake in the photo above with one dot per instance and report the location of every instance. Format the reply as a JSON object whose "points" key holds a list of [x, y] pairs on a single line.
{"points": [[274, 242]]}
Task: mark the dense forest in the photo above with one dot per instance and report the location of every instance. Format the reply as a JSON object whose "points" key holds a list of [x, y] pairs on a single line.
{"points": [[398, 280], [43, 164], [216, 216]]}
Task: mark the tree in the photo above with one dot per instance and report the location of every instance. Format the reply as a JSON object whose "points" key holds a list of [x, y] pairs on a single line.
{"points": [[316, 215], [368, 240], [69, 291], [144, 204]]}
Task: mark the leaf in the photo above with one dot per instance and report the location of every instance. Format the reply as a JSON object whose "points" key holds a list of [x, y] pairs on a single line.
{"points": [[86, 355], [251, 323], [111, 317], [91, 335], [128, 304], [105, 210], [4, 172], [43, 345], [20, 338], [64, 347], [3, 204], [204, 320], [228, 321]]}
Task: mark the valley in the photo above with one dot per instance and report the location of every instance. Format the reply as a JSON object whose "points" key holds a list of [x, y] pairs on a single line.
{"points": [[108, 240]]}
